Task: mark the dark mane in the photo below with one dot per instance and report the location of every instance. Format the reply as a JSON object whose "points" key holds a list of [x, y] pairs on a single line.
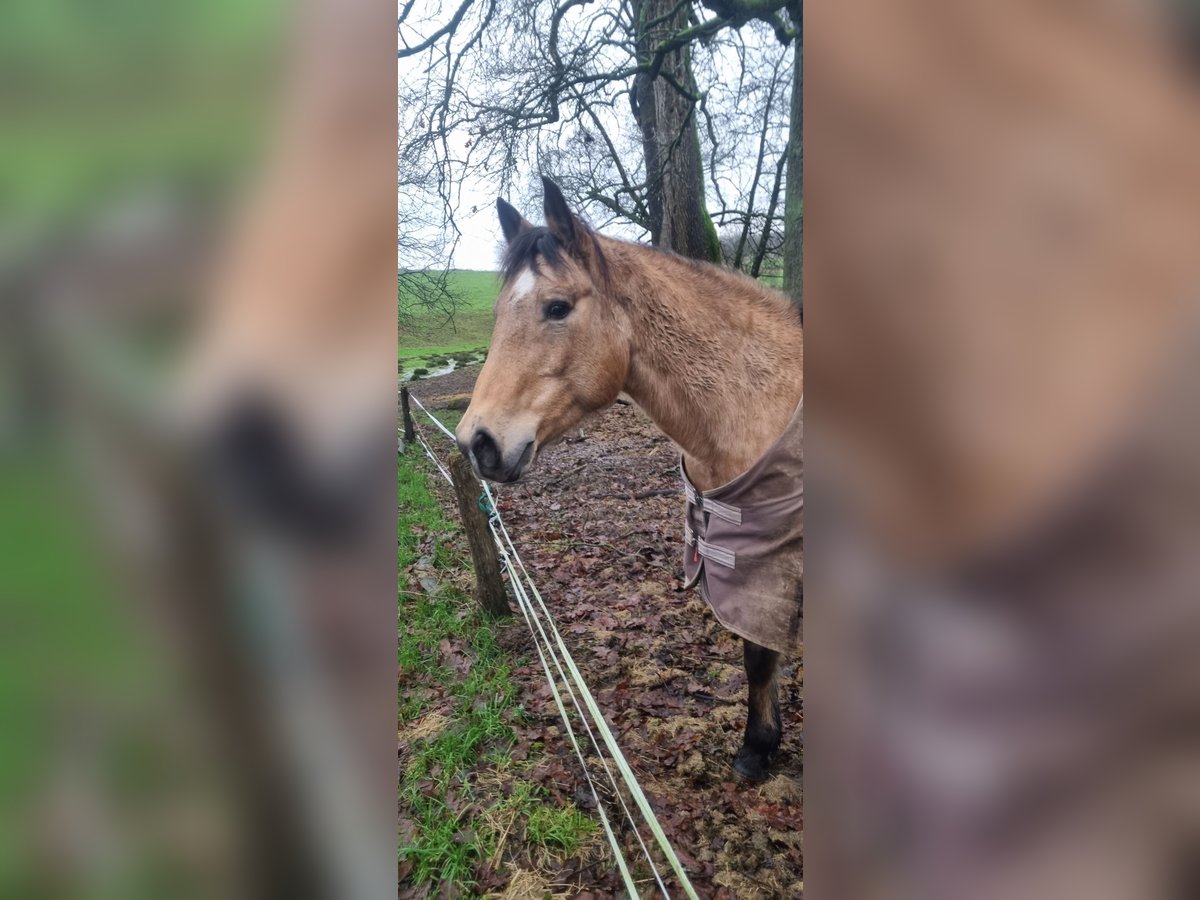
{"points": [[526, 248], [535, 244]]}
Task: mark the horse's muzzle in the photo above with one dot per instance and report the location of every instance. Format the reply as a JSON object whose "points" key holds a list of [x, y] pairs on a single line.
{"points": [[491, 462], [257, 465]]}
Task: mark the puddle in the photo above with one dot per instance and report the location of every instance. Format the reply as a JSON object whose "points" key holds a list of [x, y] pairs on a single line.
{"points": [[439, 364]]}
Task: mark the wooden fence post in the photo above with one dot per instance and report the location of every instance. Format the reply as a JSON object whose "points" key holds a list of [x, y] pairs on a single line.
{"points": [[407, 415], [489, 588]]}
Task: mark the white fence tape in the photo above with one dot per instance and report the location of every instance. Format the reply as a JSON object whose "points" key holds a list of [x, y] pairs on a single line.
{"points": [[556, 651]]}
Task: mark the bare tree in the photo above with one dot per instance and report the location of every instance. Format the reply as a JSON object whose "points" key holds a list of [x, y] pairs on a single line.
{"points": [[641, 109], [424, 240], [664, 103]]}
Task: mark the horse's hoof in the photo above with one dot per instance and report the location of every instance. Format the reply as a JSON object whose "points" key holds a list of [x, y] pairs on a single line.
{"points": [[751, 765]]}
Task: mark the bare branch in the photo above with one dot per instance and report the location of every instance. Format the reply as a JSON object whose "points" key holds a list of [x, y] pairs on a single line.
{"points": [[446, 29], [756, 268]]}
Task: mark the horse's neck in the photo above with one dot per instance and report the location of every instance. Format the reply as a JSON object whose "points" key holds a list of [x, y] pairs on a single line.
{"points": [[717, 369]]}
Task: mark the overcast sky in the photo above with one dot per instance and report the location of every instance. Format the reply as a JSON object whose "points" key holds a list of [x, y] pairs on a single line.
{"points": [[480, 244]]}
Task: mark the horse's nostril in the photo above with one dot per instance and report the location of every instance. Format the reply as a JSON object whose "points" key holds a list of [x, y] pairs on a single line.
{"points": [[256, 462], [486, 451], [252, 446]]}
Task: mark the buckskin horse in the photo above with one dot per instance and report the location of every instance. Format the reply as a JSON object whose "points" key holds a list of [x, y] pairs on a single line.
{"points": [[715, 359]]}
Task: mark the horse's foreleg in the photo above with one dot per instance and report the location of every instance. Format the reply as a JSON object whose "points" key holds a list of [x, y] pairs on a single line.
{"points": [[764, 727]]}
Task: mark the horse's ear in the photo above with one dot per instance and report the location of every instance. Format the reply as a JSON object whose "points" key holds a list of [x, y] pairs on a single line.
{"points": [[512, 222], [559, 218]]}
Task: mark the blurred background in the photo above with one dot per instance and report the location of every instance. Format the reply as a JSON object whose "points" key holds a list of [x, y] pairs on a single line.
{"points": [[197, 600], [197, 342], [1001, 618]]}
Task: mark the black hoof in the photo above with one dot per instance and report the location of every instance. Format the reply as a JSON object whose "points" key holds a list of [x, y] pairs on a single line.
{"points": [[751, 764]]}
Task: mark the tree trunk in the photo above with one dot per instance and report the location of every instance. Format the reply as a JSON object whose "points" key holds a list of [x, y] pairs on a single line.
{"points": [[642, 101], [793, 204], [670, 139]]}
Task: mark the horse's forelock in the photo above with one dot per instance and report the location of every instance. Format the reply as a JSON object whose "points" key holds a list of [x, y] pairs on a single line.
{"points": [[526, 248]]}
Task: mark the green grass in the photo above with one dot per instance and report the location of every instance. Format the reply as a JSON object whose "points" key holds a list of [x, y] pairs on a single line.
{"points": [[62, 626], [457, 825], [550, 829], [67, 647], [471, 328], [104, 99]]}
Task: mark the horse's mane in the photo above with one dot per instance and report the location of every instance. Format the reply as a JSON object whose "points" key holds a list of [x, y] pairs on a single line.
{"points": [[540, 243], [526, 248], [754, 290]]}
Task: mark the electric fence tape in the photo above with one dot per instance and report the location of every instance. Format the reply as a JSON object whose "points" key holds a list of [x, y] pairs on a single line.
{"points": [[520, 579], [528, 613]]}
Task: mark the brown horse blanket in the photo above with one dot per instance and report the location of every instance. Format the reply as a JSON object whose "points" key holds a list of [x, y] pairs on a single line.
{"points": [[744, 545]]}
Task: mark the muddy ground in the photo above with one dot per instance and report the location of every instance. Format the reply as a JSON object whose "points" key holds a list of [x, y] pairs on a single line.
{"points": [[598, 522]]}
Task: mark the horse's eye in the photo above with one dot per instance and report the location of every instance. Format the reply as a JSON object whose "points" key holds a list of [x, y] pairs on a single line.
{"points": [[557, 310]]}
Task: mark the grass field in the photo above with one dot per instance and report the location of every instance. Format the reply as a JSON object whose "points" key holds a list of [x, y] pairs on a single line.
{"points": [[469, 331], [69, 655], [456, 727]]}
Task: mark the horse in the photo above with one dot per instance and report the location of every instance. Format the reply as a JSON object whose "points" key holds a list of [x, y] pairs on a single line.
{"points": [[715, 359]]}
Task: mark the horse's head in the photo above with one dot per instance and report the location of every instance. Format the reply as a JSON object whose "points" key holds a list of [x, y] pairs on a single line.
{"points": [[560, 348]]}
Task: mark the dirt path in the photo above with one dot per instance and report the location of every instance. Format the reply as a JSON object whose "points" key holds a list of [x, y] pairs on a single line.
{"points": [[598, 523]]}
